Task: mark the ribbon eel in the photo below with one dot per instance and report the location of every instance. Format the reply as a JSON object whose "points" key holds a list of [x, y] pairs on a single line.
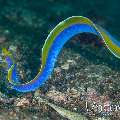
{"points": [[54, 43]]}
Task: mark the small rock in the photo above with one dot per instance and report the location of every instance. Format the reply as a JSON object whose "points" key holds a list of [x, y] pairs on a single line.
{"points": [[57, 69], [65, 66], [13, 48], [73, 93], [37, 93], [23, 102], [57, 96], [72, 62]]}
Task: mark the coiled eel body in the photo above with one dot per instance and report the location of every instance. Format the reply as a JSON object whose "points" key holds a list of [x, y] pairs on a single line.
{"points": [[53, 44]]}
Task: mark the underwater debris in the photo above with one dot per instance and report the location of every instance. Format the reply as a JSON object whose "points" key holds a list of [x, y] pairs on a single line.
{"points": [[68, 114]]}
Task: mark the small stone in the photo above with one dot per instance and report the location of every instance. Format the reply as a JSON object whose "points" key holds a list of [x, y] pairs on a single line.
{"points": [[23, 102], [37, 93], [57, 69], [13, 48], [12, 113], [57, 96], [65, 66], [75, 108], [72, 62], [73, 93]]}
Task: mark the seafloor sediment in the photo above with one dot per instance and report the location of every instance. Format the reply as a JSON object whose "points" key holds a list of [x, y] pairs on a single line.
{"points": [[84, 75]]}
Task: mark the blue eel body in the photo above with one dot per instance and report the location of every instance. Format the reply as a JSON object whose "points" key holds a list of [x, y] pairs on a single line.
{"points": [[54, 50], [58, 44]]}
